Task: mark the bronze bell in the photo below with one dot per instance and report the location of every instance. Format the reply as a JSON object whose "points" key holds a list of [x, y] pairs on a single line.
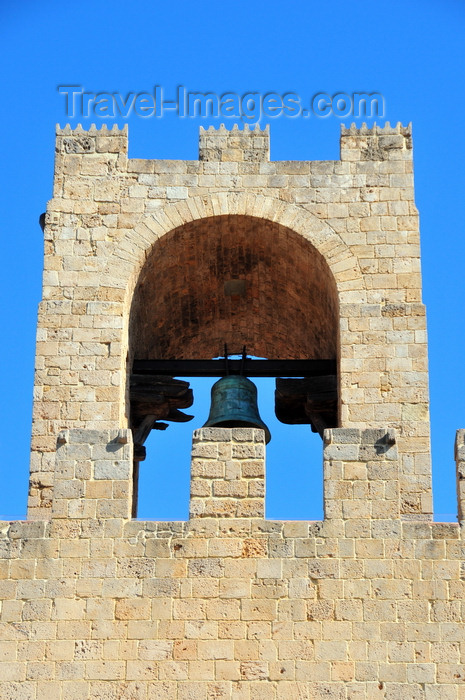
{"points": [[234, 405]]}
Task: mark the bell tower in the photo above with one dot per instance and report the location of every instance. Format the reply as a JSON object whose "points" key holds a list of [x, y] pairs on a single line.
{"points": [[151, 267]]}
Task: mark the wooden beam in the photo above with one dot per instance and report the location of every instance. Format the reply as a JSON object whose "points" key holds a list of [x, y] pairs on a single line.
{"points": [[155, 384], [251, 368]]}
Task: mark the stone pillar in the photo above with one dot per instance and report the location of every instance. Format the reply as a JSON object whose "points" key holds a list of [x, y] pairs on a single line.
{"points": [[361, 474], [228, 473], [93, 474], [460, 471]]}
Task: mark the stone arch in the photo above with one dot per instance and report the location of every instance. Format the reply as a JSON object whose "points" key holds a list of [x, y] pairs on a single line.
{"points": [[240, 280], [339, 259], [135, 246], [184, 255]]}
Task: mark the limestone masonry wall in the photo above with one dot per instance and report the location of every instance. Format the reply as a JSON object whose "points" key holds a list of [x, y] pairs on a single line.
{"points": [[366, 604], [229, 605]]}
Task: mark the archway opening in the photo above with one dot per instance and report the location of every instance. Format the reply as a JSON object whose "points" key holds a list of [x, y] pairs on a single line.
{"points": [[235, 280], [238, 280]]}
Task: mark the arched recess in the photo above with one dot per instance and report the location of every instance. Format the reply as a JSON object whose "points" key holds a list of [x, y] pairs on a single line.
{"points": [[234, 279], [291, 264], [240, 280], [133, 249]]}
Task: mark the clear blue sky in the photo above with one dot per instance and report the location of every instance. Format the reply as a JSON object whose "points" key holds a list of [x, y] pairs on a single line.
{"points": [[411, 52]]}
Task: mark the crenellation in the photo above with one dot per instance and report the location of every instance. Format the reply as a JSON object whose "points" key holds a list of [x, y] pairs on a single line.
{"points": [[89, 142], [235, 146], [365, 146]]}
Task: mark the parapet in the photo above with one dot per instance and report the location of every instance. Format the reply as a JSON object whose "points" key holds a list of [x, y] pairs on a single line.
{"points": [[246, 145], [376, 143], [250, 144], [92, 140]]}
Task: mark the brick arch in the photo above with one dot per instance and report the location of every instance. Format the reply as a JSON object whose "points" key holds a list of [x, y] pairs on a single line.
{"points": [[135, 247], [337, 271], [235, 279]]}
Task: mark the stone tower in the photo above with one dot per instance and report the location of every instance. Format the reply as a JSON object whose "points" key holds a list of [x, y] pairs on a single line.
{"points": [[150, 260]]}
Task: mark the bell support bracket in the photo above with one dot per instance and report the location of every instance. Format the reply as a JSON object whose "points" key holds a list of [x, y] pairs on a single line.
{"points": [[154, 399], [311, 400]]}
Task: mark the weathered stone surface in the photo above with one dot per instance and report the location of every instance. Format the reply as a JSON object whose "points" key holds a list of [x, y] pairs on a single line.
{"points": [[334, 244], [170, 609], [296, 260]]}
